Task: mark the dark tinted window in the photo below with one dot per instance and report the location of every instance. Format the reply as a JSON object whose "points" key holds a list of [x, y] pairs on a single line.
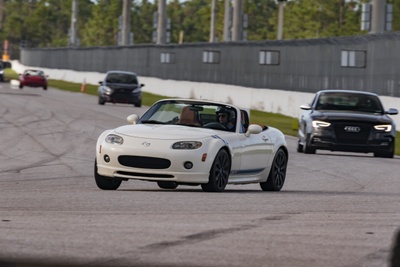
{"points": [[125, 78], [349, 102]]}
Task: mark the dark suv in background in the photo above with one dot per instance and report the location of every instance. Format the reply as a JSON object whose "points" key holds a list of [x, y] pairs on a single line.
{"points": [[120, 87], [344, 120]]}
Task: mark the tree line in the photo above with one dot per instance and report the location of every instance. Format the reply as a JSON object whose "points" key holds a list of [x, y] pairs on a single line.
{"points": [[46, 23]]}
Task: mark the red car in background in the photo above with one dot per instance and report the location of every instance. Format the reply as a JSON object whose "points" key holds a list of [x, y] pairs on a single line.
{"points": [[33, 78]]}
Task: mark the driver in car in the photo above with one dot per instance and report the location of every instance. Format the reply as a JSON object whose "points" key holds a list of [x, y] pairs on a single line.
{"points": [[226, 117]]}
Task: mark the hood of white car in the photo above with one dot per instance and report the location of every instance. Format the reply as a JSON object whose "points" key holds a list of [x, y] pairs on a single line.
{"points": [[170, 132]]}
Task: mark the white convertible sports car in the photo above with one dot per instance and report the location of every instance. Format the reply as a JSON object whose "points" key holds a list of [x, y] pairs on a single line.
{"points": [[192, 142]]}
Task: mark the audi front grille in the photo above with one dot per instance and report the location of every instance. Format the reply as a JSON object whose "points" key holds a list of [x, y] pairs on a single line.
{"points": [[352, 133]]}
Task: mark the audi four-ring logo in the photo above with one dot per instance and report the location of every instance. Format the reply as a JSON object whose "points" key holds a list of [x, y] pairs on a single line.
{"points": [[352, 129]]}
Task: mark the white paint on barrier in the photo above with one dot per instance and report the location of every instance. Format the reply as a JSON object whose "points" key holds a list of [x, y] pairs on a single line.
{"points": [[14, 83]]}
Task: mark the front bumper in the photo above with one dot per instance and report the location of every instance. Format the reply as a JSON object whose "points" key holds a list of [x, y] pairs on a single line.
{"points": [[110, 163], [123, 97], [372, 142], [33, 84]]}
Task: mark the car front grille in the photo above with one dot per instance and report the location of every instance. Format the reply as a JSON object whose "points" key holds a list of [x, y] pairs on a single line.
{"points": [[144, 162], [146, 175], [121, 95], [356, 133]]}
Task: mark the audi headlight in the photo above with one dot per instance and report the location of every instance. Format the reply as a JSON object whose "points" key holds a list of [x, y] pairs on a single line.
{"points": [[383, 127], [186, 145], [317, 124], [108, 90], [114, 139]]}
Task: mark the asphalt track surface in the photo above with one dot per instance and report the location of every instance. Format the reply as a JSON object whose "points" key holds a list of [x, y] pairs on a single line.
{"points": [[335, 209]]}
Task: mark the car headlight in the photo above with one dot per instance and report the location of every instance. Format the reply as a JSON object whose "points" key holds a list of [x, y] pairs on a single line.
{"points": [[114, 139], [137, 89], [108, 91], [187, 145], [383, 127], [317, 124]]}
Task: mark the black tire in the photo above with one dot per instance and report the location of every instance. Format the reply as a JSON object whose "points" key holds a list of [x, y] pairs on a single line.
{"points": [[138, 104], [395, 252], [44, 87], [299, 146], [167, 185], [21, 86], [106, 183], [388, 154], [219, 173], [307, 145], [101, 101], [277, 174]]}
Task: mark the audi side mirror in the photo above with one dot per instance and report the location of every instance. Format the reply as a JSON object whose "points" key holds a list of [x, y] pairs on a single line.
{"points": [[392, 111], [305, 107]]}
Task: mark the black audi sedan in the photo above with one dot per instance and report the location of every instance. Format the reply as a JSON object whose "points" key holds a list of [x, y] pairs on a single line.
{"points": [[345, 120], [120, 87]]}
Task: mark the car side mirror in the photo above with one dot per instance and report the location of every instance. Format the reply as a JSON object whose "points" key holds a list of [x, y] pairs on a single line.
{"points": [[305, 107], [101, 82], [142, 85], [392, 111], [253, 129], [132, 119]]}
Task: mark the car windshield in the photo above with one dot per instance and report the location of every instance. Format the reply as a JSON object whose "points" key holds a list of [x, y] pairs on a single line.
{"points": [[349, 102], [34, 73], [124, 78], [186, 113]]}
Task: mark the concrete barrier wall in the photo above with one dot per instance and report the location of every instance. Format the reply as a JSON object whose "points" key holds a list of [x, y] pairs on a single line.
{"points": [[303, 65], [269, 100]]}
